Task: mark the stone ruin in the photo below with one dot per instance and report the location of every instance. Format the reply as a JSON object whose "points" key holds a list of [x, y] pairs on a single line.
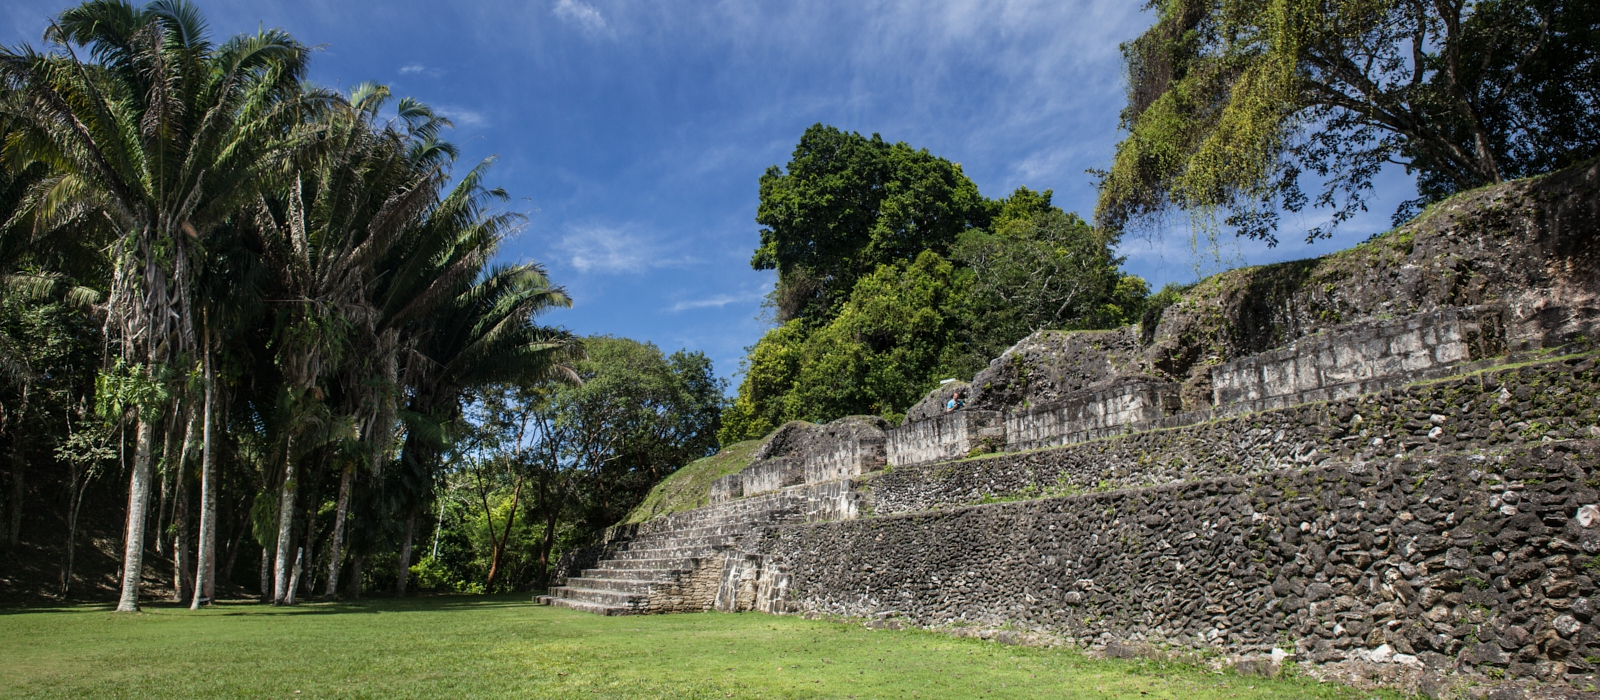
{"points": [[1413, 494]]}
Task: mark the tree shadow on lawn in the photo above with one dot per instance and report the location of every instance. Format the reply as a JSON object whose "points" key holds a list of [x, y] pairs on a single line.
{"points": [[243, 607]]}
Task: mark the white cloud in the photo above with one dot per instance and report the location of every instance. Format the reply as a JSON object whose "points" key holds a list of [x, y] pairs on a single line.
{"points": [[460, 116], [584, 15], [607, 249], [413, 68], [716, 302]]}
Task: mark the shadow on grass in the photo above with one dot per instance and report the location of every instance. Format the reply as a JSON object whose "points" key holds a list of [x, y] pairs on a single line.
{"points": [[363, 606]]}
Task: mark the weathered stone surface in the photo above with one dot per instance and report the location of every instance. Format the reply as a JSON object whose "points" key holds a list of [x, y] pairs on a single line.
{"points": [[1529, 246], [1093, 412], [1334, 557], [1474, 415], [1345, 361], [947, 436]]}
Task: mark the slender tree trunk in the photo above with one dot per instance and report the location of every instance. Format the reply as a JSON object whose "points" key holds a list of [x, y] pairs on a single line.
{"points": [[79, 485], [138, 505], [306, 570], [505, 535], [266, 575], [182, 563], [549, 542], [285, 528], [294, 578], [206, 570], [353, 591], [346, 483], [167, 474], [182, 566], [405, 555]]}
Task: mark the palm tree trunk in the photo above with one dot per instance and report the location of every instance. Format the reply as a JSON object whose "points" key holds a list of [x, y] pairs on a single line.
{"points": [[306, 570], [294, 578], [266, 575], [354, 589], [182, 565], [405, 556], [138, 505], [283, 565], [346, 483], [206, 571]]}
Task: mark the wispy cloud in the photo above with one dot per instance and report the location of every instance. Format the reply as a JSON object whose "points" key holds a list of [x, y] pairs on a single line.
{"points": [[714, 302], [412, 69], [584, 15], [460, 116], [609, 249]]}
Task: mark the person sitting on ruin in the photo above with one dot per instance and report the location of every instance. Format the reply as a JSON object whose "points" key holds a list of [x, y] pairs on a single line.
{"points": [[957, 402]]}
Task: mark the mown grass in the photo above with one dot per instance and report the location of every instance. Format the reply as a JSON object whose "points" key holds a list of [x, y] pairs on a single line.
{"points": [[490, 647]]}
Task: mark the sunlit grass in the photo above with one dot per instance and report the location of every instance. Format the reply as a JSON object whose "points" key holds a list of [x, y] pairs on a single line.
{"points": [[507, 647]]}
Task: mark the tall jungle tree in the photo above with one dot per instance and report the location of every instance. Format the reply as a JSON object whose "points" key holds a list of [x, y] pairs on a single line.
{"points": [[166, 136], [1230, 102]]}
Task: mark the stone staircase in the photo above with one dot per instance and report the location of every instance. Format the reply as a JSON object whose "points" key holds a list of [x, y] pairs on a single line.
{"points": [[655, 571]]}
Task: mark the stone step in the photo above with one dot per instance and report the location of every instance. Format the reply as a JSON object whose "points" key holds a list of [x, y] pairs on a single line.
{"points": [[684, 563], [588, 607], [634, 574], [676, 541], [600, 595], [626, 585], [671, 552]]}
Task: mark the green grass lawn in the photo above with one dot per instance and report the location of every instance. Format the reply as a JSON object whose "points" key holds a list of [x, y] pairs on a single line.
{"points": [[458, 647]]}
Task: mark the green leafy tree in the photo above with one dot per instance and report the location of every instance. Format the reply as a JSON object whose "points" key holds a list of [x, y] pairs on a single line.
{"points": [[1230, 103], [847, 204], [164, 135], [1045, 269], [891, 340]]}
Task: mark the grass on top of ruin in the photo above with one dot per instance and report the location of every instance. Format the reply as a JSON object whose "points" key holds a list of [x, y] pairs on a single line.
{"points": [[505, 646]]}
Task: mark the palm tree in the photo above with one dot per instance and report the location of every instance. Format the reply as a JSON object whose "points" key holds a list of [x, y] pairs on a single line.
{"points": [[326, 242], [485, 335], [167, 136]]}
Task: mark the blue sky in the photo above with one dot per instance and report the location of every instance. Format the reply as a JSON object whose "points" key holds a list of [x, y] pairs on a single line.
{"points": [[633, 133]]}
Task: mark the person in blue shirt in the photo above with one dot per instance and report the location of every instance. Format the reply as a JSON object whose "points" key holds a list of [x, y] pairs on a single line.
{"points": [[957, 401]]}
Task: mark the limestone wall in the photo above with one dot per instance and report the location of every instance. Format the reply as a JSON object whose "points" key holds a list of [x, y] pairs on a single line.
{"points": [[770, 475], [1090, 414], [1483, 560], [947, 436], [727, 488], [848, 457], [1495, 409], [1347, 361]]}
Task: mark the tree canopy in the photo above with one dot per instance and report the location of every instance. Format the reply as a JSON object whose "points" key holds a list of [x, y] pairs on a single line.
{"points": [[926, 301], [1231, 103], [846, 204]]}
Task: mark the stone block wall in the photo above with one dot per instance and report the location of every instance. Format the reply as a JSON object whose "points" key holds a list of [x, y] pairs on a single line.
{"points": [[850, 456], [1495, 409], [1091, 413], [770, 475], [1485, 561], [947, 436], [1350, 360], [727, 488]]}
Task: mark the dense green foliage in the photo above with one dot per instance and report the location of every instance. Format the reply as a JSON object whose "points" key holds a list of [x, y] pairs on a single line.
{"points": [[847, 204], [547, 466], [925, 300], [1230, 103], [505, 647], [256, 312]]}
